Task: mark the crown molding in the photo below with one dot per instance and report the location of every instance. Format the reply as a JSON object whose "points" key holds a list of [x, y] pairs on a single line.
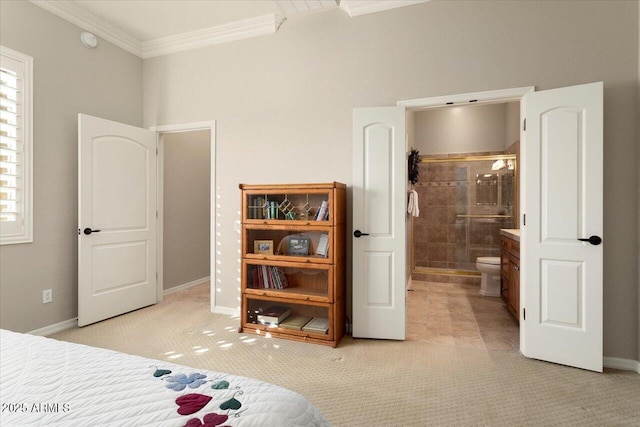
{"points": [[253, 27], [238, 30], [290, 8], [362, 7], [89, 22]]}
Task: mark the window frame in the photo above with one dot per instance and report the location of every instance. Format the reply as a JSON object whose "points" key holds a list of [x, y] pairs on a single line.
{"points": [[26, 138]]}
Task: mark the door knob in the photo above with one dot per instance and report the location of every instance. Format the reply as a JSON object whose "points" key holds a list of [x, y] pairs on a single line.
{"points": [[594, 240], [88, 231], [359, 233]]}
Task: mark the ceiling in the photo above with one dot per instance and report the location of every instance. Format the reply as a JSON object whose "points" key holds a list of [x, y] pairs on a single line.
{"points": [[149, 28]]}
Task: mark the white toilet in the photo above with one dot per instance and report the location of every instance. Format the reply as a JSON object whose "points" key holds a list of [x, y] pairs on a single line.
{"points": [[490, 281]]}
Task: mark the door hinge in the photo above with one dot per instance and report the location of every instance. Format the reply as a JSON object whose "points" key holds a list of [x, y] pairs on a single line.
{"points": [[524, 313], [156, 151], [156, 214], [524, 126], [524, 219]]}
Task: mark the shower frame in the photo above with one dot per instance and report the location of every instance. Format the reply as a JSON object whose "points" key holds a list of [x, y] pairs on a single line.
{"points": [[514, 214]]}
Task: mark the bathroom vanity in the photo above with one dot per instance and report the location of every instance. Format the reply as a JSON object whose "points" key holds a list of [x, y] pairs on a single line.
{"points": [[510, 270]]}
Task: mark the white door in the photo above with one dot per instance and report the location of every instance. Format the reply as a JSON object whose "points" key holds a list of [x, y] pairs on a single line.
{"points": [[116, 218], [562, 181], [379, 204]]}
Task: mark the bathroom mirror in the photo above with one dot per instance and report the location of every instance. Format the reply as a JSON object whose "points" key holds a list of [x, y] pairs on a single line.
{"points": [[487, 189]]}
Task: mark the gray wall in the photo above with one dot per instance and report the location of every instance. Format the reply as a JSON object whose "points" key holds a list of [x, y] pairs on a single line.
{"points": [[186, 200], [512, 123], [68, 79], [284, 102], [466, 129]]}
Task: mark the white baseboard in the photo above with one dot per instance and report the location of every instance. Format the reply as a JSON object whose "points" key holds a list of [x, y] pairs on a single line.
{"points": [[186, 286], [72, 323], [623, 364], [58, 327]]}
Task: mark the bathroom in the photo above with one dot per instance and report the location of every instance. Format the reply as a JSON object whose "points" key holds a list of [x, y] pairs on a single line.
{"points": [[467, 189]]}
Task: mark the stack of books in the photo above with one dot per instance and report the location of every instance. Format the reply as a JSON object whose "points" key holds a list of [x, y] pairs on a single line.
{"points": [[266, 277], [318, 325], [273, 315], [295, 322]]}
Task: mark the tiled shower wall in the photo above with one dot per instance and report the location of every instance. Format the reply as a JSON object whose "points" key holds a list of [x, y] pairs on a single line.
{"points": [[443, 237]]}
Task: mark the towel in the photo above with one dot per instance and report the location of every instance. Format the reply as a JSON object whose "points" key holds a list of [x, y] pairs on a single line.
{"points": [[413, 208]]}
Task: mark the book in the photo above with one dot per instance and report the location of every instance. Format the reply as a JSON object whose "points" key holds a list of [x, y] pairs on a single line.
{"points": [[266, 277], [318, 325], [294, 322], [274, 315], [284, 282], [323, 211]]}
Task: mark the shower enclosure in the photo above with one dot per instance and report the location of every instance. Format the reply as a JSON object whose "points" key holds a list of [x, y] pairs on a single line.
{"points": [[464, 202]]}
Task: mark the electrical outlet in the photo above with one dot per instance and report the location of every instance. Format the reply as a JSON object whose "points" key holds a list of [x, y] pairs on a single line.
{"points": [[47, 296]]}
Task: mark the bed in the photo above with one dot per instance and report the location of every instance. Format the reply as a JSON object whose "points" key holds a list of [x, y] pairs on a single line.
{"points": [[54, 383]]}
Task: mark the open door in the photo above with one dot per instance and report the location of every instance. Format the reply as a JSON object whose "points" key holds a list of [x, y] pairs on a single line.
{"points": [[561, 268], [116, 218], [379, 200]]}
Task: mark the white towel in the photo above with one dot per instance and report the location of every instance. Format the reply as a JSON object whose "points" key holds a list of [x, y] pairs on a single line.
{"points": [[413, 208]]}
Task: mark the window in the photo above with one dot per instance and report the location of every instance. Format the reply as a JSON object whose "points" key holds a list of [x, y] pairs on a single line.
{"points": [[16, 99]]}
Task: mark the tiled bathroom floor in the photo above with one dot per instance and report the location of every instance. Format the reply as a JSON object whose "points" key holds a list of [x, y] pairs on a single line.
{"points": [[453, 313]]}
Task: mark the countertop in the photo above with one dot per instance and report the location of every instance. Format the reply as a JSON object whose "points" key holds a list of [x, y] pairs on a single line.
{"points": [[512, 233]]}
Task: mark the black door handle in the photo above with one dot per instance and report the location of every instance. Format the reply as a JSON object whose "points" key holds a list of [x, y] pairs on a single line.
{"points": [[359, 233], [594, 240], [88, 231]]}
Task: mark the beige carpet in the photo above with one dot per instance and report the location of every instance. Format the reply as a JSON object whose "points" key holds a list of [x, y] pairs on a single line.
{"points": [[428, 380]]}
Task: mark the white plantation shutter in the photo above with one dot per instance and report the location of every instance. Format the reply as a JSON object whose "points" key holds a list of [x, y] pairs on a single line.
{"points": [[16, 81]]}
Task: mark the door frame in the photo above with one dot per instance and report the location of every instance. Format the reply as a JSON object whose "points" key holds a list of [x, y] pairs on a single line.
{"points": [[179, 128], [486, 97]]}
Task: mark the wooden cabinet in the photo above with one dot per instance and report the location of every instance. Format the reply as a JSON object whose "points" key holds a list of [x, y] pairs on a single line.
{"points": [[510, 275], [293, 256]]}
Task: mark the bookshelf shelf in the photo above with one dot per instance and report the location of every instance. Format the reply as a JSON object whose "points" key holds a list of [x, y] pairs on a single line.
{"points": [[293, 257]]}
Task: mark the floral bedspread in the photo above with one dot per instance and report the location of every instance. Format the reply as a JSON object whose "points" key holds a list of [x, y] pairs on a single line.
{"points": [[54, 383]]}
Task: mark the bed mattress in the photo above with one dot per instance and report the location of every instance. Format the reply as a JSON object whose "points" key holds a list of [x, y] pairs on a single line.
{"points": [[54, 383]]}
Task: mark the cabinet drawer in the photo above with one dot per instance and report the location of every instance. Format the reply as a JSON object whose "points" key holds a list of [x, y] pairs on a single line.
{"points": [[301, 205], [509, 245], [253, 306], [515, 248], [289, 243], [505, 243], [306, 282]]}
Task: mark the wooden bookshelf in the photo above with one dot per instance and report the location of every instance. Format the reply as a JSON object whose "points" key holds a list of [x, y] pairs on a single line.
{"points": [[282, 228]]}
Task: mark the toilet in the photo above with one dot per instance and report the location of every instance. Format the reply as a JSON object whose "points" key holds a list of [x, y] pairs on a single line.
{"points": [[490, 281]]}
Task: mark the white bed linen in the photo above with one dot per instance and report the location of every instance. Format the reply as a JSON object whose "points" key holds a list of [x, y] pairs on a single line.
{"points": [[54, 383]]}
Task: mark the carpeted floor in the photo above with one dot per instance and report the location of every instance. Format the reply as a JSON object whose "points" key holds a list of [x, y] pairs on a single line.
{"points": [[435, 378]]}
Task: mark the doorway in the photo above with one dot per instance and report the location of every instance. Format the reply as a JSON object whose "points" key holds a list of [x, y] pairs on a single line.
{"points": [[186, 212], [467, 189], [186, 209]]}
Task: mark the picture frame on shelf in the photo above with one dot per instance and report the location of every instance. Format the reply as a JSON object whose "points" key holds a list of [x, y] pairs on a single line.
{"points": [[263, 247], [298, 245], [323, 246]]}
